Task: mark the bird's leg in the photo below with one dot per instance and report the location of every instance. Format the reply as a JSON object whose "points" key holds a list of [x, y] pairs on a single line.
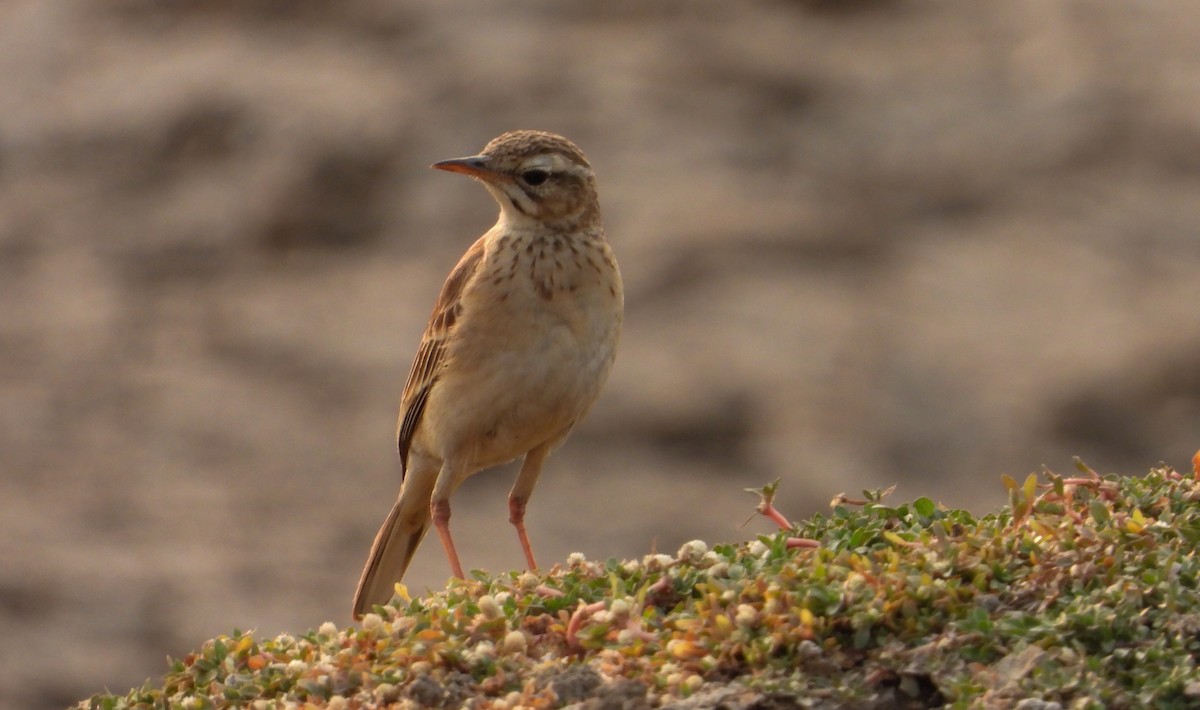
{"points": [[518, 497], [440, 510], [516, 516]]}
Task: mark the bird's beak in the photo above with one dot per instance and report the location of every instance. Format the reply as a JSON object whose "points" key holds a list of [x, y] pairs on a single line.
{"points": [[476, 166]]}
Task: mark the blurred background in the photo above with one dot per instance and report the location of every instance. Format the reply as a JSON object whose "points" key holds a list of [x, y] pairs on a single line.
{"points": [[865, 242]]}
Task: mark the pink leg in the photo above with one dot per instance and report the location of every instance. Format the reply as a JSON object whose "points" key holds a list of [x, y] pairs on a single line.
{"points": [[519, 496], [516, 516], [440, 510]]}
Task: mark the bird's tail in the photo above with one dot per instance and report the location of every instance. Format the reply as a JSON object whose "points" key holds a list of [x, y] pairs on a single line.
{"points": [[393, 549]]}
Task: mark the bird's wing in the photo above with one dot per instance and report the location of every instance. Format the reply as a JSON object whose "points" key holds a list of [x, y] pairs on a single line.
{"points": [[431, 355]]}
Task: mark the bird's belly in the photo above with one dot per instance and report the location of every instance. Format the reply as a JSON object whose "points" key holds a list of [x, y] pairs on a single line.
{"points": [[525, 390]]}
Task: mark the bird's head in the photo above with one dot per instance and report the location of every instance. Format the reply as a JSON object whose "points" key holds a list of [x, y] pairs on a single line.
{"points": [[536, 177]]}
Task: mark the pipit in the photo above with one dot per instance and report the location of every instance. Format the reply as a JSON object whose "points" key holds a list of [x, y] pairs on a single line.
{"points": [[520, 342]]}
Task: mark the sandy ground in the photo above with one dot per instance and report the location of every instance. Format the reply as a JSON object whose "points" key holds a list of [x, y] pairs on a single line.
{"points": [[864, 242]]}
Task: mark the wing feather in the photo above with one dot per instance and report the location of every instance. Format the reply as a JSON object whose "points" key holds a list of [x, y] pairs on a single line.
{"points": [[431, 355]]}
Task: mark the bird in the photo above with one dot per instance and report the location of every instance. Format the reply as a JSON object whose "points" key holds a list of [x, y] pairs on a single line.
{"points": [[520, 342]]}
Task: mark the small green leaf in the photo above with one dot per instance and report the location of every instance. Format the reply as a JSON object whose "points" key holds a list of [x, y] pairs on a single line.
{"points": [[1030, 487]]}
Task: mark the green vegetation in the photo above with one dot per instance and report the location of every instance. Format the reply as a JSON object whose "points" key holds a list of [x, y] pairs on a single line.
{"points": [[1081, 593]]}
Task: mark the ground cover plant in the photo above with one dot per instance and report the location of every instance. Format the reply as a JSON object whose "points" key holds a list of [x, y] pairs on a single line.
{"points": [[1082, 592]]}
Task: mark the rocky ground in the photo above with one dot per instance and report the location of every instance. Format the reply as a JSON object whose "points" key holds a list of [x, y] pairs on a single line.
{"points": [[864, 242]]}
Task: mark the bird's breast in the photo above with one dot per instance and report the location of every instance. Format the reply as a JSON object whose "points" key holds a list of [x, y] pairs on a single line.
{"points": [[550, 306]]}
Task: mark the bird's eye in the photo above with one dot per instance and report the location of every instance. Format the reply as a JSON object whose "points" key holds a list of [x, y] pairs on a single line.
{"points": [[535, 177]]}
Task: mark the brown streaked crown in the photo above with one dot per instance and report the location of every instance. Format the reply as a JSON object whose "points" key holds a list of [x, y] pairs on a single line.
{"points": [[510, 147]]}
